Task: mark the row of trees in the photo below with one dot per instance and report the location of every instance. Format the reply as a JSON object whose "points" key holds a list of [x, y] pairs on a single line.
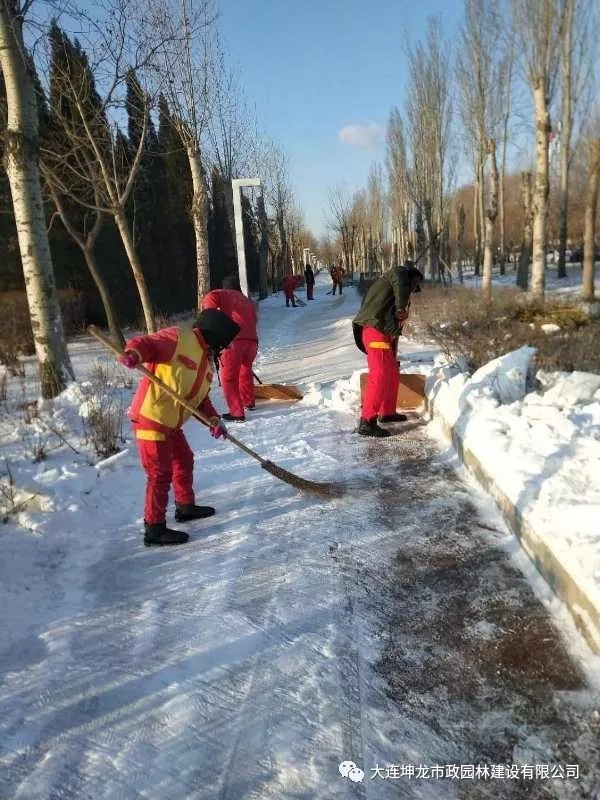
{"points": [[118, 166], [512, 58]]}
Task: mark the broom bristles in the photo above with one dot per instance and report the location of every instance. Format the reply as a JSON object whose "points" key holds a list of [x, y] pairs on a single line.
{"points": [[324, 489]]}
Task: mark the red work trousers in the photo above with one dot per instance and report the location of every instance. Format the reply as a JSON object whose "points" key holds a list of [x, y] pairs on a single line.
{"points": [[381, 390], [170, 460], [237, 379]]}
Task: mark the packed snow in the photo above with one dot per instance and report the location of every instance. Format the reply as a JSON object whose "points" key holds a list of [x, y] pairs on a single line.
{"points": [[78, 589]]}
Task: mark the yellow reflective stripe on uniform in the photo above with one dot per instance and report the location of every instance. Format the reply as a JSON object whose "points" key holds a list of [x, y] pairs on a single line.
{"points": [[150, 436], [380, 345]]}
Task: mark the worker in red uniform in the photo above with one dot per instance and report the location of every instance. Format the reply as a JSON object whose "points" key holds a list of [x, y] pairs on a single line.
{"points": [[181, 358], [376, 328], [236, 361], [289, 285]]}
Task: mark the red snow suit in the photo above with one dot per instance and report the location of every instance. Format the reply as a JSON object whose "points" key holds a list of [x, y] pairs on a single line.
{"points": [[237, 378], [179, 357], [289, 285], [384, 378]]}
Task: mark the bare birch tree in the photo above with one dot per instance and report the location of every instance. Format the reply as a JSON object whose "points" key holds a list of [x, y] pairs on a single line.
{"points": [[591, 208], [491, 212], [230, 128], [184, 60], [230, 124], [522, 279], [505, 80], [85, 237], [537, 26], [21, 159], [263, 247], [429, 119], [398, 182], [478, 43], [377, 215], [272, 166], [66, 161], [343, 222], [575, 66], [119, 49], [484, 80]]}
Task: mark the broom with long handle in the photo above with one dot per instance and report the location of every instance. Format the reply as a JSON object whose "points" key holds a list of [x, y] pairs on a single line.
{"points": [[328, 489]]}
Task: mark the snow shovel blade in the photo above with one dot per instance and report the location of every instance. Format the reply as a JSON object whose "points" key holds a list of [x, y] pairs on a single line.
{"points": [[277, 391]]}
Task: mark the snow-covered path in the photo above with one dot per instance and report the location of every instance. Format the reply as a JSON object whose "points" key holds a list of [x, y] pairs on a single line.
{"points": [[291, 633]]}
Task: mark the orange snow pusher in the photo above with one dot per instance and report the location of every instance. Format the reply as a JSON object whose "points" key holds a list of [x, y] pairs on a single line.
{"points": [[275, 391], [411, 391]]}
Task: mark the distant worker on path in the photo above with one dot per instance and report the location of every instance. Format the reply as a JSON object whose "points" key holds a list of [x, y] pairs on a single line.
{"points": [[289, 285], [236, 361], [376, 329], [309, 278]]}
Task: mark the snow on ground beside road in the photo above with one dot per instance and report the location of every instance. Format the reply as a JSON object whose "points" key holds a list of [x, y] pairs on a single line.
{"points": [[74, 575]]}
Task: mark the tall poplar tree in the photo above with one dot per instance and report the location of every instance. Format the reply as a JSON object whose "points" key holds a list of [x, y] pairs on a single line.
{"points": [[21, 156]]}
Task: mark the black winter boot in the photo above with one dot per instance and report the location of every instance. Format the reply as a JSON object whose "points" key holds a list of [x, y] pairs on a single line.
{"points": [[158, 535], [231, 418], [393, 418], [184, 512], [369, 427]]}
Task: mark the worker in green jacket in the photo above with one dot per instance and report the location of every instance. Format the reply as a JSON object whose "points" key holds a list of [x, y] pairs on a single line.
{"points": [[376, 329]]}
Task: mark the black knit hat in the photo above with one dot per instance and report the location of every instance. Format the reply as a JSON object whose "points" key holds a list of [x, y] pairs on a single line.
{"points": [[410, 274], [217, 329], [231, 282]]}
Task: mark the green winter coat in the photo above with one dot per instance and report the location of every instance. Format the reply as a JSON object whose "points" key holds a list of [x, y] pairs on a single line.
{"points": [[384, 300]]}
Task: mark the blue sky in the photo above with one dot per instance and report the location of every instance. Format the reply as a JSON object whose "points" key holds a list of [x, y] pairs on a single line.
{"points": [[313, 67]]}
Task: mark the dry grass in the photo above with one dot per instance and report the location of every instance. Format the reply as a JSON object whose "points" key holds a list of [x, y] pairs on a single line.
{"points": [[103, 412], [462, 325]]}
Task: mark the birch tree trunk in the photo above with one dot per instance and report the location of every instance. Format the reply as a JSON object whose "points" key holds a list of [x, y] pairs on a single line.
{"points": [[591, 206], [431, 239], [136, 268], [525, 256], [501, 210], [284, 265], [476, 236], [109, 310], [199, 221], [501, 187], [490, 217], [263, 289], [480, 208], [506, 74], [540, 196], [460, 241], [565, 134], [86, 243], [21, 160]]}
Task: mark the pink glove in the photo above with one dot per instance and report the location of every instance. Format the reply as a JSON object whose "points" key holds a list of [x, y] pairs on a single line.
{"points": [[218, 430], [129, 359]]}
